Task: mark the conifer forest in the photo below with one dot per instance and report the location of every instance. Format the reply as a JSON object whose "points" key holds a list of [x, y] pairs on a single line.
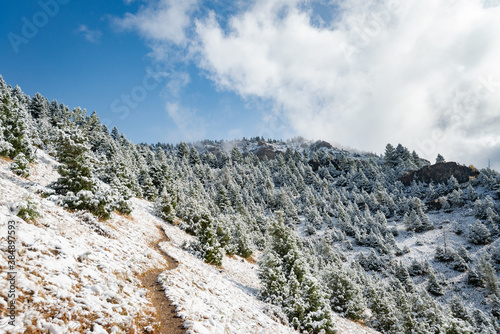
{"points": [[395, 242]]}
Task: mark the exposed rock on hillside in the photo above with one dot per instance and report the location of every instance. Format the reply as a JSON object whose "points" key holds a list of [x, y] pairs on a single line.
{"points": [[440, 173]]}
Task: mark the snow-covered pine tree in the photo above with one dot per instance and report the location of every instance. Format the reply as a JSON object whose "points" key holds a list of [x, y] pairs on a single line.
{"points": [[77, 184], [479, 234], [165, 207], [20, 166], [209, 247], [13, 122], [75, 167], [433, 285]]}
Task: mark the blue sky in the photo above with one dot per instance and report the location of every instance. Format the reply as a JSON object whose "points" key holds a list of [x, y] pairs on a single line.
{"points": [[356, 73], [82, 59]]}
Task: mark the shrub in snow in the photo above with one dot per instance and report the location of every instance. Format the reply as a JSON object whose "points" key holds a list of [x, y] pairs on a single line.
{"points": [[445, 204], [433, 285], [100, 202], [479, 234], [473, 278], [416, 268], [28, 211], [459, 263], [443, 255], [20, 165], [495, 306], [464, 254]]}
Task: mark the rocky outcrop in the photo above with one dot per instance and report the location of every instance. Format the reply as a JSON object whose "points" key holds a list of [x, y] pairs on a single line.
{"points": [[267, 151], [440, 173]]}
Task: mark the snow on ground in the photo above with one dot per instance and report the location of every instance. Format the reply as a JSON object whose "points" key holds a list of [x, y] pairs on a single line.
{"points": [[223, 300], [70, 278], [75, 274]]}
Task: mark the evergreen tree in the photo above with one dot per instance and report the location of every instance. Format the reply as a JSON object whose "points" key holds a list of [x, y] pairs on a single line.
{"points": [[236, 155], [346, 295], [458, 309], [390, 155], [39, 106], [479, 233], [20, 165], [149, 191], [433, 285], [165, 207], [209, 246], [183, 151], [75, 167], [439, 159], [13, 123], [194, 157]]}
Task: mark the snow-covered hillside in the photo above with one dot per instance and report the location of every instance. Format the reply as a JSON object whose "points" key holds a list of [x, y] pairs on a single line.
{"points": [[76, 274]]}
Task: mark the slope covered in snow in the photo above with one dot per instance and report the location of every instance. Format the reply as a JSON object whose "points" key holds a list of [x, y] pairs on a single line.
{"points": [[76, 274]]}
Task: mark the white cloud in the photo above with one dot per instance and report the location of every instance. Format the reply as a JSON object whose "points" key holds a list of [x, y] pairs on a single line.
{"points": [[385, 71], [93, 36], [161, 21], [424, 73]]}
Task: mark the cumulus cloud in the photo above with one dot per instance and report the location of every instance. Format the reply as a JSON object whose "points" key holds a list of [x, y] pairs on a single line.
{"points": [[93, 36], [161, 21], [421, 73]]}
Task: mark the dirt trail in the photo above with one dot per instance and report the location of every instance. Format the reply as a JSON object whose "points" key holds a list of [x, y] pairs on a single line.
{"points": [[166, 315]]}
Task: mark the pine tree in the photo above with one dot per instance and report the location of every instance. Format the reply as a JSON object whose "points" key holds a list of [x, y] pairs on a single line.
{"points": [[346, 296], [305, 304], [479, 233], [401, 273], [149, 191], [20, 165], [194, 157], [39, 106], [75, 167], [458, 309], [13, 123], [272, 278], [488, 275], [183, 151], [390, 155], [209, 246], [236, 155], [439, 159], [165, 207], [433, 285], [80, 189]]}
